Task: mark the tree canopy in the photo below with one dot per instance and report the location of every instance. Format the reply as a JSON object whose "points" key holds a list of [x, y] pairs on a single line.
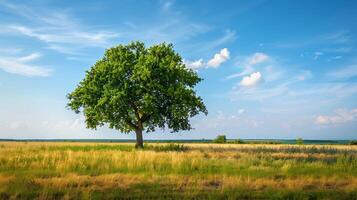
{"points": [[134, 88]]}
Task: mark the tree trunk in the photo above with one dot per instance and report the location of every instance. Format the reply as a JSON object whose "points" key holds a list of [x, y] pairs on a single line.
{"points": [[139, 139]]}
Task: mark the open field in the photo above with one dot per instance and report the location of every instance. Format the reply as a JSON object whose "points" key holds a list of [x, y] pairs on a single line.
{"points": [[64, 170]]}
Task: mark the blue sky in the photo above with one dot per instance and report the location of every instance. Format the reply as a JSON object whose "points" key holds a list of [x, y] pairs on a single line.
{"points": [[271, 69]]}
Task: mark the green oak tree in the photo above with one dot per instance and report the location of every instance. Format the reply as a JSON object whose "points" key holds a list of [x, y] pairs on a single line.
{"points": [[134, 88]]}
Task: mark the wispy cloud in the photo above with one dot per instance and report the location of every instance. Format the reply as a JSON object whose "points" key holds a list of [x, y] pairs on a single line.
{"points": [[258, 58], [61, 31], [167, 4], [228, 36], [258, 93], [62, 35], [333, 91], [334, 38], [305, 74], [174, 30], [340, 116], [339, 37], [343, 49], [248, 64], [344, 73], [21, 66], [284, 87], [57, 29]]}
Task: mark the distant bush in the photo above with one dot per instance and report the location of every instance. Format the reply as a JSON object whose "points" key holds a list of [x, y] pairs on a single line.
{"points": [[299, 141], [220, 139], [238, 141], [353, 142]]}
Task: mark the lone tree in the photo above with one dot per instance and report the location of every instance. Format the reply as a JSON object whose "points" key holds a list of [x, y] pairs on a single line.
{"points": [[134, 88]]}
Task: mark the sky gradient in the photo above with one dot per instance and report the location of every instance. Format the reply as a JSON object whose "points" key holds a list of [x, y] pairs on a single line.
{"points": [[271, 69]]}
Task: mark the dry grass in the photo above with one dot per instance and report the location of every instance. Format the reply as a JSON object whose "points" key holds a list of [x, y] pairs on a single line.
{"points": [[109, 170]]}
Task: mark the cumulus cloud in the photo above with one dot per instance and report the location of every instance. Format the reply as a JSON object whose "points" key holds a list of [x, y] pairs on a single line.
{"points": [[194, 64], [215, 62], [20, 66], [341, 116], [251, 80], [219, 58]]}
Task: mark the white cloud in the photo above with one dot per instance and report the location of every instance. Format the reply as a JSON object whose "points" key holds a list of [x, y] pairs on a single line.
{"points": [[30, 57], [258, 58], [61, 31], [334, 58], [194, 64], [66, 35], [19, 65], [219, 58], [56, 28], [341, 116], [241, 111], [251, 80], [322, 120], [215, 62]]}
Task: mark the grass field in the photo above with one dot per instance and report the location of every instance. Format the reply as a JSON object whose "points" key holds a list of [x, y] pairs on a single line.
{"points": [[60, 170]]}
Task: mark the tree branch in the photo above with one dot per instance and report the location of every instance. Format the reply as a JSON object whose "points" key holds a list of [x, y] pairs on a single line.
{"points": [[136, 111], [145, 118], [131, 124]]}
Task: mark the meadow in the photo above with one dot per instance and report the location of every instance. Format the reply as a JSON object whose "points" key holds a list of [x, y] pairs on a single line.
{"points": [[82, 170]]}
